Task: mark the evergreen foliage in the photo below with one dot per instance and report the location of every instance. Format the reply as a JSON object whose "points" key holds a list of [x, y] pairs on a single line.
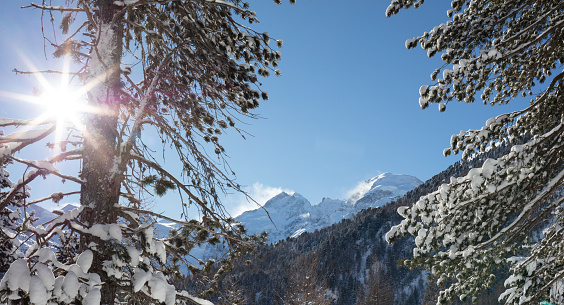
{"points": [[508, 212], [306, 284], [378, 290], [347, 251], [10, 223], [183, 70]]}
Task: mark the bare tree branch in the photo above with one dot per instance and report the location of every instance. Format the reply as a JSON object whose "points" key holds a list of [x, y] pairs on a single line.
{"points": [[41, 72]]}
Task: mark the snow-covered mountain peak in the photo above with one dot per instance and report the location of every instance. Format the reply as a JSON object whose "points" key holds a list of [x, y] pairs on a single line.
{"points": [[329, 204], [385, 185], [290, 215], [285, 200], [67, 207]]}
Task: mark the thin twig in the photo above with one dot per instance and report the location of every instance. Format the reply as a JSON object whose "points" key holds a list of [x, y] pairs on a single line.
{"points": [[41, 72]]}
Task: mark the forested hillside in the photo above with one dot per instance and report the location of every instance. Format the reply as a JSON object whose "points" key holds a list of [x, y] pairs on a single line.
{"points": [[350, 261]]}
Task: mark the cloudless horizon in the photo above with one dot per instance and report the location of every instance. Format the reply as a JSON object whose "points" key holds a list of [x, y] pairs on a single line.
{"points": [[344, 110]]}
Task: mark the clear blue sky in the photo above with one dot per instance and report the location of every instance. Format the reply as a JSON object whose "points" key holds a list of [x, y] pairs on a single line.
{"points": [[345, 108]]}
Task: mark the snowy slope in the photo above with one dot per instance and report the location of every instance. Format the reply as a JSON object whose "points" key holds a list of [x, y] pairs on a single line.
{"points": [[291, 215], [378, 190], [41, 213], [286, 215]]}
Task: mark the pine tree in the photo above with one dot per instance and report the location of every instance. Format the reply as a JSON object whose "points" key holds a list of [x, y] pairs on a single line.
{"points": [[183, 70], [10, 224], [509, 211], [376, 290], [305, 284]]}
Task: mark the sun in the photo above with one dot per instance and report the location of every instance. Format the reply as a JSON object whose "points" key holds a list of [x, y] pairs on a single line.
{"points": [[60, 98], [62, 104]]}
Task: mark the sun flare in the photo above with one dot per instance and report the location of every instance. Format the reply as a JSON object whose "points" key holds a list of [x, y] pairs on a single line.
{"points": [[58, 98], [63, 105]]}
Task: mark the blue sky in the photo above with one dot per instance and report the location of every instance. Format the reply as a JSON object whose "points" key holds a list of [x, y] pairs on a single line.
{"points": [[344, 110]]}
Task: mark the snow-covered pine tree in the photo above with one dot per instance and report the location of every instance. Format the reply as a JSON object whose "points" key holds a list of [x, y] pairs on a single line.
{"points": [[10, 223], [509, 212], [183, 70]]}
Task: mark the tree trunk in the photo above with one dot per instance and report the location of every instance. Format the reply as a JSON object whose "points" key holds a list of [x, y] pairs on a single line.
{"points": [[100, 192]]}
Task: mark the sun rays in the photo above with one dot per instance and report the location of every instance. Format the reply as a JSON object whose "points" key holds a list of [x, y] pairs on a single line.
{"points": [[64, 106], [59, 98]]}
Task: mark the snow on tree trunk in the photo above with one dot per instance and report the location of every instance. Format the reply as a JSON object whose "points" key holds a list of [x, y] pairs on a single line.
{"points": [[100, 192]]}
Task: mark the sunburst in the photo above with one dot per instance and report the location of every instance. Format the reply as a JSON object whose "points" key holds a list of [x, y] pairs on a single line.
{"points": [[59, 101], [64, 106]]}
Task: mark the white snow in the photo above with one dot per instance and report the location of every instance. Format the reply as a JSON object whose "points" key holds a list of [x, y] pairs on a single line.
{"points": [[44, 164], [70, 284], [85, 260], [140, 277], [134, 255], [46, 275], [17, 277], [37, 291], [195, 299], [93, 297], [287, 211]]}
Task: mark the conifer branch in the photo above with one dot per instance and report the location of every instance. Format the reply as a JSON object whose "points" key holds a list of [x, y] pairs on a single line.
{"points": [[19, 187], [126, 146], [178, 183], [184, 223], [46, 171], [56, 197], [54, 8]]}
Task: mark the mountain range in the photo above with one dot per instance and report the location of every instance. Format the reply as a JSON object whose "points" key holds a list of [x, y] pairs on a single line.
{"points": [[290, 215], [351, 262]]}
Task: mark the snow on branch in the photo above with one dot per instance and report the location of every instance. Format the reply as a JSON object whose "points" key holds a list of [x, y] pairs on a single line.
{"points": [[46, 167], [181, 222], [516, 225], [56, 197], [54, 8], [4, 122], [65, 155], [222, 3], [529, 43], [42, 72], [14, 142], [183, 295], [20, 186], [534, 24], [135, 3]]}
